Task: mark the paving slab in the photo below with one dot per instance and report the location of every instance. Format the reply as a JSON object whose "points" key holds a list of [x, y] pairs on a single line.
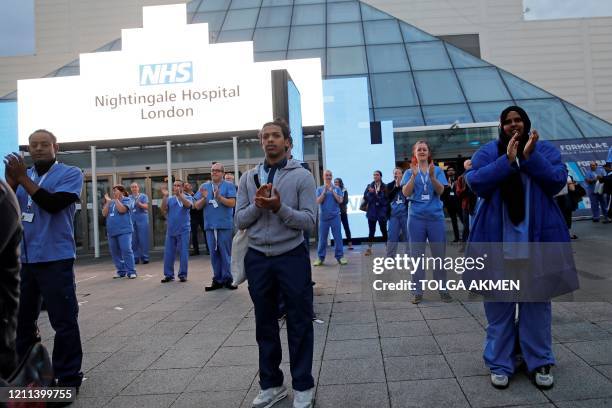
{"points": [[427, 393]]}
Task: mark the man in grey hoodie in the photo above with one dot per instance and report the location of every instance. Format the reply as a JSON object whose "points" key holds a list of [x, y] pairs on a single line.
{"points": [[276, 202]]}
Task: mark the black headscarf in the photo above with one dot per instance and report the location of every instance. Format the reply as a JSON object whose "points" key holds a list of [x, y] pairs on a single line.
{"points": [[512, 189]]}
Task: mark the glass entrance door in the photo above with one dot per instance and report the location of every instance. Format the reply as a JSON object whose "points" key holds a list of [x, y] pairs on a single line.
{"points": [[104, 187]]}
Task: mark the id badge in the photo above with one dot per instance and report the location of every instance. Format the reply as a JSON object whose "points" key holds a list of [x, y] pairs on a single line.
{"points": [[425, 197], [27, 217], [214, 203], [452, 193]]}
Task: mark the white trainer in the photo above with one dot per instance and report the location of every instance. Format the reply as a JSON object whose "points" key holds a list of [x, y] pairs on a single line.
{"points": [[270, 396], [303, 399]]}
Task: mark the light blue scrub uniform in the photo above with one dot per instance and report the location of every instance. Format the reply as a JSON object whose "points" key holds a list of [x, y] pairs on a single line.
{"points": [[329, 218], [119, 230], [398, 222], [219, 226], [48, 251], [177, 236], [598, 201], [426, 222], [533, 328], [140, 222]]}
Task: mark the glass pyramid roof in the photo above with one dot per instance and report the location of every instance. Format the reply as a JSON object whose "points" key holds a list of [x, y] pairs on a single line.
{"points": [[415, 79]]}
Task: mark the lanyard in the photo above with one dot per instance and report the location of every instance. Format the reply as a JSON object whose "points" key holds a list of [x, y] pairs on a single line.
{"points": [[178, 201], [424, 180], [377, 187], [39, 183]]}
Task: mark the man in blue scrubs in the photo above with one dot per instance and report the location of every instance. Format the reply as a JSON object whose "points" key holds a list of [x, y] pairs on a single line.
{"points": [[218, 198], [47, 195], [597, 198], [140, 222], [329, 198], [176, 209]]}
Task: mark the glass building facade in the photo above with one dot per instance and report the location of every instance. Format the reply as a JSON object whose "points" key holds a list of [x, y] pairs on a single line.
{"points": [[415, 79]]}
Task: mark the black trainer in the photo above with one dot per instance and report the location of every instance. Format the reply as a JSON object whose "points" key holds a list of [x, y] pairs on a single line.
{"points": [[229, 286], [214, 286], [183, 279], [167, 279]]}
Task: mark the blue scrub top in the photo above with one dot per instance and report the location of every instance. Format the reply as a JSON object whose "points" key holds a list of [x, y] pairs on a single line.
{"points": [[50, 237], [426, 209], [139, 214], [117, 223], [329, 208], [517, 233], [399, 204], [221, 217], [609, 159], [590, 174], [179, 220]]}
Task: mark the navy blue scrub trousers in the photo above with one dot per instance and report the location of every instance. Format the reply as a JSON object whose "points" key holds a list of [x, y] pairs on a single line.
{"points": [[289, 274], [55, 282]]}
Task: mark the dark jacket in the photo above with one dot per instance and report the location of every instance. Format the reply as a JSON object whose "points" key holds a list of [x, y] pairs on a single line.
{"points": [[377, 203], [10, 237]]}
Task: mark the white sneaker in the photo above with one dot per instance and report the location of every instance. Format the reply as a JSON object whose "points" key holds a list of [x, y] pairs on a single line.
{"points": [[499, 381], [268, 397], [303, 399]]}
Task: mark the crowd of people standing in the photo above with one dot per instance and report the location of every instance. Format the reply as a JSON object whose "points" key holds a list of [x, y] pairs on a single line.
{"points": [[510, 192]]}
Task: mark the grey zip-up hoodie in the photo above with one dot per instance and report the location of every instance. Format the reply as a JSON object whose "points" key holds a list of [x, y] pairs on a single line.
{"points": [[280, 232]]}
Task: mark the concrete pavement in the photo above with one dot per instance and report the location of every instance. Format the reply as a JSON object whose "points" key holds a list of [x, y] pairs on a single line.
{"points": [[148, 344]]}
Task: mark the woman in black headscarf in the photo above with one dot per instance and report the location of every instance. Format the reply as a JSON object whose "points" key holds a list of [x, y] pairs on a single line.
{"points": [[516, 178]]}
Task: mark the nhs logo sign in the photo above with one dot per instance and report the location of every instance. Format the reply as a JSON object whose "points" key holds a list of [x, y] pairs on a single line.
{"points": [[166, 73]]}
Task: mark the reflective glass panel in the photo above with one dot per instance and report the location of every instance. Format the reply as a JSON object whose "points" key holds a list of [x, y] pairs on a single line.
{"points": [[343, 12], [413, 34], [339, 35], [590, 125], [296, 2], [521, 89], [235, 35], [240, 19], [241, 4], [382, 32], [346, 61], [68, 71], [550, 119], [312, 53], [437, 87], [274, 16], [446, 114], [214, 19], [277, 3], [393, 89], [370, 13], [462, 59], [309, 14], [428, 55], [307, 37], [387, 58], [401, 117], [271, 39], [482, 84], [213, 5], [488, 111], [192, 6]]}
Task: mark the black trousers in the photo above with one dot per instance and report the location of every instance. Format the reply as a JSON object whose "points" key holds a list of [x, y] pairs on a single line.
{"points": [[565, 205], [289, 274], [54, 281], [345, 225], [382, 223], [197, 223], [454, 214]]}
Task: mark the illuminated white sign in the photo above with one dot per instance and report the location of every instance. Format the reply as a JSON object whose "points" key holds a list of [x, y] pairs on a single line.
{"points": [[167, 80]]}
